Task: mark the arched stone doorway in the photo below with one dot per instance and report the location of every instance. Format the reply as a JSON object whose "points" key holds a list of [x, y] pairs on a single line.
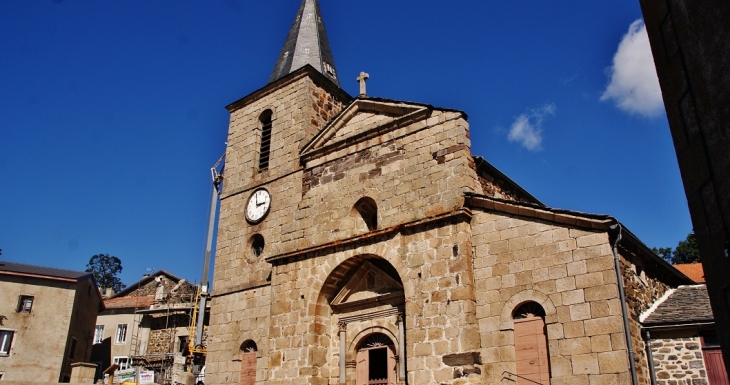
{"points": [[376, 361], [362, 302], [248, 363], [531, 349]]}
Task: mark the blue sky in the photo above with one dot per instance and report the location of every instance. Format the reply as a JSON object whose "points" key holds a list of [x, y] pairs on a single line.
{"points": [[113, 111]]}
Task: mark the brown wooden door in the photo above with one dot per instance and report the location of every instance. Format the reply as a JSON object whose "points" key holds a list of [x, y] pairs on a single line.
{"points": [[531, 354], [248, 368], [716, 373]]}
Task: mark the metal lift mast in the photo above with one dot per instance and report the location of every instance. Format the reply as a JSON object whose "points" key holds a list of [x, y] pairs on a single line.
{"points": [[196, 346]]}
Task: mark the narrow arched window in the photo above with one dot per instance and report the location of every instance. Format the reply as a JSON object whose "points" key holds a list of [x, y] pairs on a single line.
{"points": [[264, 149], [367, 209], [531, 348]]}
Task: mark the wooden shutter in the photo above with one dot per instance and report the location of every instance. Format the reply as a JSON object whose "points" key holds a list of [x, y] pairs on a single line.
{"points": [[361, 368], [392, 365]]}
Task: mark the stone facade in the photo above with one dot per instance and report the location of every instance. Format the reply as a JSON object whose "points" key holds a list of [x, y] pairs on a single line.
{"points": [[52, 335], [434, 264], [679, 361]]}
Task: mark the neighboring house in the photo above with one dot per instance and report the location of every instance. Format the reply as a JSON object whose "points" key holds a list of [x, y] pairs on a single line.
{"points": [[361, 242], [146, 325], [50, 321], [692, 270], [683, 335]]}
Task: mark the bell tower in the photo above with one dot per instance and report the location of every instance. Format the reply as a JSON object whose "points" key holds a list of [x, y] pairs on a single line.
{"points": [[263, 189]]}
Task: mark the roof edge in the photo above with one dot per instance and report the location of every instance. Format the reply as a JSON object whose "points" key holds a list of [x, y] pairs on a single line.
{"points": [[491, 168], [144, 281]]}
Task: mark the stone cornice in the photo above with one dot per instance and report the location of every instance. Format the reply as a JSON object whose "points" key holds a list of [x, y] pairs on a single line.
{"points": [[571, 218]]}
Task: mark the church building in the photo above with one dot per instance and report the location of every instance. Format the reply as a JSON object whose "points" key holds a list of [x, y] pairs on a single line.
{"points": [[361, 242]]}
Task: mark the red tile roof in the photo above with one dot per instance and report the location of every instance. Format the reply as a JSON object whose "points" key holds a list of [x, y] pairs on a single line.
{"points": [[129, 302], [693, 270]]}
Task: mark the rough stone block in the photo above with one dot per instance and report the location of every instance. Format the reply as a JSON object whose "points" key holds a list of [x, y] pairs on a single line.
{"points": [[585, 364], [613, 362], [461, 359]]}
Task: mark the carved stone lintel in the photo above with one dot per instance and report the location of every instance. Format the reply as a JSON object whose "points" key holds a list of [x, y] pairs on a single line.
{"points": [[343, 326]]}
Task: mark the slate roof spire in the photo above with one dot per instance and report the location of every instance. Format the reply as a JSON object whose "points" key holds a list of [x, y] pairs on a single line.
{"points": [[306, 44]]}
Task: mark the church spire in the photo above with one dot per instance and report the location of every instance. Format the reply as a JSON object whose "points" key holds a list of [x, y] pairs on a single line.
{"points": [[306, 44]]}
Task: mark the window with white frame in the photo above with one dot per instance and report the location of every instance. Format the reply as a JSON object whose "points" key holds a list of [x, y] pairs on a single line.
{"points": [[99, 334], [25, 303], [121, 334], [6, 340], [123, 362]]}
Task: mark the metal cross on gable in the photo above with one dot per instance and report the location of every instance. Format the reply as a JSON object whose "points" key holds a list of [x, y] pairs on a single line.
{"points": [[361, 79]]}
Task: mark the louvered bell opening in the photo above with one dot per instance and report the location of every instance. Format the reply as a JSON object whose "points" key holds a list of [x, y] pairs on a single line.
{"points": [[265, 146]]}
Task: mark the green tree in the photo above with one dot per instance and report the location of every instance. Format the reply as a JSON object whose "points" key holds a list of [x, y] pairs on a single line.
{"points": [[685, 252], [105, 269]]}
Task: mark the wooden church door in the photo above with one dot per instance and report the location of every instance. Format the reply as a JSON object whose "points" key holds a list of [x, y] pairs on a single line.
{"points": [[531, 353], [376, 365]]}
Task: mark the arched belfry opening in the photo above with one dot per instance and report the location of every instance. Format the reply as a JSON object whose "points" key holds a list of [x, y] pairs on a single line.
{"points": [[531, 346], [248, 352], [366, 212], [362, 302]]}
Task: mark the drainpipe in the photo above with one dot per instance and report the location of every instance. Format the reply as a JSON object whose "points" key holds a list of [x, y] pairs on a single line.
{"points": [[622, 296], [650, 356]]}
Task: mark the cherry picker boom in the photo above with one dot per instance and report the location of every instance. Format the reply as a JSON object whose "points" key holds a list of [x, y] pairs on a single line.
{"points": [[195, 346]]}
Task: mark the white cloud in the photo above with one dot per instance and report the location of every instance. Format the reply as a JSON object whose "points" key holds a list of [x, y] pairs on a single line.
{"points": [[527, 128], [634, 86]]}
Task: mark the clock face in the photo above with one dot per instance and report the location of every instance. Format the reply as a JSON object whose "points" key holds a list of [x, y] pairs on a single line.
{"points": [[258, 206]]}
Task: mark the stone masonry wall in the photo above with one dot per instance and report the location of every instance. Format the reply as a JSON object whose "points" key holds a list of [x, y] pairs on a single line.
{"points": [[164, 331], [236, 318], [397, 170], [643, 287], [240, 307], [295, 106], [433, 263], [570, 273], [679, 361]]}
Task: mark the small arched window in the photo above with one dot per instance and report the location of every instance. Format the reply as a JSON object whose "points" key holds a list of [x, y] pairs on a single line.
{"points": [[264, 149], [257, 244], [368, 211]]}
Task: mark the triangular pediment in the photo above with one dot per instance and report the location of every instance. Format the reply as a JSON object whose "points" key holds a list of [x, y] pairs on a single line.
{"points": [[369, 286], [361, 120]]}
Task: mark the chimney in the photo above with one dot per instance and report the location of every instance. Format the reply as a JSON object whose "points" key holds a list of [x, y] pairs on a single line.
{"points": [[108, 292]]}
